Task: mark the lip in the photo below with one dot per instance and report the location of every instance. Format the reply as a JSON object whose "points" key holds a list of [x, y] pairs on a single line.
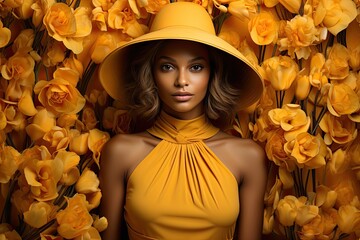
{"points": [[182, 96]]}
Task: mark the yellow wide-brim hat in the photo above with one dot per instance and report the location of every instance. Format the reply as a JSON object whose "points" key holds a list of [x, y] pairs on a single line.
{"points": [[182, 21]]}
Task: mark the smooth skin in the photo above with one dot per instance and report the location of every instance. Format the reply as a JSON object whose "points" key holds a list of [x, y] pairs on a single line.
{"points": [[181, 74]]}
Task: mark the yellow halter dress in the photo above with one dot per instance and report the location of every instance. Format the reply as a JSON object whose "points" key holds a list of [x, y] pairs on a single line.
{"points": [[181, 190]]}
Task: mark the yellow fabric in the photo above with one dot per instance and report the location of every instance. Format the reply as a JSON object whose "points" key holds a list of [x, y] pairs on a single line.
{"points": [[181, 190]]}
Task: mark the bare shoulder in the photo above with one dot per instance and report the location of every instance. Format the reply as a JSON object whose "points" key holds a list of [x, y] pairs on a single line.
{"points": [[123, 151], [243, 157]]}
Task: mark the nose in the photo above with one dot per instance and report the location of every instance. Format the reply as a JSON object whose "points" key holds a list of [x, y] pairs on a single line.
{"points": [[181, 79]]}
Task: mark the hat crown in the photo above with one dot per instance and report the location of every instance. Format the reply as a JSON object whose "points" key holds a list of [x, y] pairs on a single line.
{"points": [[185, 14]]}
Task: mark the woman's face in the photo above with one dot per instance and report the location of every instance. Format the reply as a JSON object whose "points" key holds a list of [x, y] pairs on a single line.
{"points": [[181, 73]]}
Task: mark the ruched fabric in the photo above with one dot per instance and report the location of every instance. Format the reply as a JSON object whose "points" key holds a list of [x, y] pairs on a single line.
{"points": [[181, 190]]}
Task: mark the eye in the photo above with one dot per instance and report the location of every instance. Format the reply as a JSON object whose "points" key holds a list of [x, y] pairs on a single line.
{"points": [[166, 67], [196, 68]]}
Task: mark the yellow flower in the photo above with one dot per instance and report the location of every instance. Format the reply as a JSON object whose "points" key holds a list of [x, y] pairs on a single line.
{"points": [[308, 150], [5, 35], [89, 118], [354, 58], [36, 152], [341, 99], [154, 6], [275, 150], [242, 8], [300, 33], [26, 104], [325, 197], [339, 14], [338, 129], [8, 163], [339, 162], [74, 64], [262, 127], [39, 214], [268, 220], [104, 44], [280, 71], [271, 198], [42, 122], [75, 220], [54, 55], [305, 214], [263, 28], [122, 17], [100, 223], [67, 25], [24, 11], [20, 66], [59, 96], [104, 4], [317, 75], [349, 219], [78, 142], [40, 7], [302, 87], [337, 62], [70, 162], [7, 232], [88, 182], [96, 142], [57, 138], [99, 18], [291, 118], [286, 210], [67, 120], [21, 199], [286, 178], [43, 177]]}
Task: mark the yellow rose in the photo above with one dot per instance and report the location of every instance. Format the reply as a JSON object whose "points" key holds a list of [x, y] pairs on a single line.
{"points": [[305, 214], [36, 152], [291, 118], [286, 210], [338, 129], [354, 58], [70, 162], [96, 142], [57, 138], [67, 25], [154, 6], [15, 119], [24, 11], [71, 75], [325, 197], [104, 4], [300, 33], [345, 189], [5, 35], [75, 219], [317, 75], [78, 142], [7, 232], [74, 64], [337, 62], [262, 127], [39, 214], [43, 177], [339, 14], [341, 99], [67, 120], [59, 96], [349, 219], [275, 151], [26, 104], [89, 118], [280, 71], [42, 122], [20, 66], [88, 182], [312, 230], [54, 55], [263, 28], [40, 7], [308, 150], [104, 44], [122, 17], [8, 163]]}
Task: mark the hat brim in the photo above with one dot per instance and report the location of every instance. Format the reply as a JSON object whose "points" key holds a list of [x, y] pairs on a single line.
{"points": [[245, 76]]}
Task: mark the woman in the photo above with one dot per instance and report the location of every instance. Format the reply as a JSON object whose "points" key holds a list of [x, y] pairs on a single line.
{"points": [[182, 178]]}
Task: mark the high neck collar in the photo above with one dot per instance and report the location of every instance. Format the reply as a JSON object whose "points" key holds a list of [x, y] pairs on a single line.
{"points": [[177, 130]]}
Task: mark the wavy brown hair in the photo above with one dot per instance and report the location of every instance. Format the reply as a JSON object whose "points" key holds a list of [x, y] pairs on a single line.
{"points": [[144, 103]]}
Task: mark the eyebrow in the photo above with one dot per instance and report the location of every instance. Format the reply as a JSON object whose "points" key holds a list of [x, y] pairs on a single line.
{"points": [[173, 60]]}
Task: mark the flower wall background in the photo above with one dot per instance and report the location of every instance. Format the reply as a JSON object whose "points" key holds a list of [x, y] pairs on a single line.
{"points": [[55, 117]]}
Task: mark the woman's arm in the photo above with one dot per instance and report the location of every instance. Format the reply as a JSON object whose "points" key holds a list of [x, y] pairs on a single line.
{"points": [[251, 194], [113, 187]]}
